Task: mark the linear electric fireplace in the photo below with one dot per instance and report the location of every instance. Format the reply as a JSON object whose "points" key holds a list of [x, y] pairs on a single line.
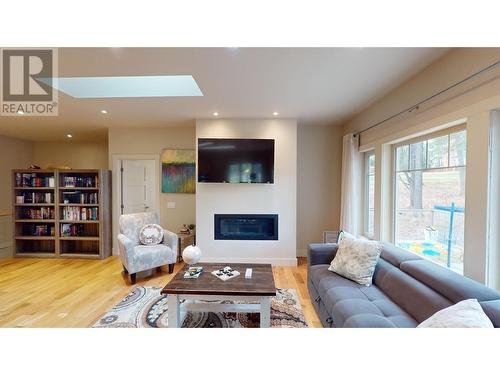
{"points": [[246, 227]]}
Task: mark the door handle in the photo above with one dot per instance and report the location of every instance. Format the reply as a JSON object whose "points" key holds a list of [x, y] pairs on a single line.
{"points": [[146, 207]]}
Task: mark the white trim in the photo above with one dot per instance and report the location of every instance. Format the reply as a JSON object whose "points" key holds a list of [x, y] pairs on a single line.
{"points": [[177, 310], [221, 307], [116, 191], [366, 192]]}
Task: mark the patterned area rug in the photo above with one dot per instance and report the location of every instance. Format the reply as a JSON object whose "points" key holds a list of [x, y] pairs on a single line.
{"points": [[145, 307]]}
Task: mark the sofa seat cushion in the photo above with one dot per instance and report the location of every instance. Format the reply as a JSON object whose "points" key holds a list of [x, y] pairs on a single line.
{"points": [[368, 321], [353, 306], [147, 257], [323, 279], [320, 274]]}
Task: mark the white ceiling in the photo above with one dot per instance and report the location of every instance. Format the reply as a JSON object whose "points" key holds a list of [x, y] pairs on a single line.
{"points": [[324, 86]]}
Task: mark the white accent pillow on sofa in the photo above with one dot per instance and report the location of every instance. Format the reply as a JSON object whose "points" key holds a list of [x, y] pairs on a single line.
{"points": [[356, 259], [151, 234], [464, 314], [343, 234]]}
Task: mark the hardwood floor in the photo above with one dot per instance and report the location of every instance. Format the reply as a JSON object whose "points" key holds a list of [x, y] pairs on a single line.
{"points": [[75, 293]]}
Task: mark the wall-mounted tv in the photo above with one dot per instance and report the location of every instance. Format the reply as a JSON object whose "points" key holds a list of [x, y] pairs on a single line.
{"points": [[236, 160]]}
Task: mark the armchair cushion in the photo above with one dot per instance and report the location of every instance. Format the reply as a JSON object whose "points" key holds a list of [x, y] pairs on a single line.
{"points": [[145, 257], [151, 234]]}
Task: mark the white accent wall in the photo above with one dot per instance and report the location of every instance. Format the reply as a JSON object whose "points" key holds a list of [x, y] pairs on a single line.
{"points": [[278, 198]]}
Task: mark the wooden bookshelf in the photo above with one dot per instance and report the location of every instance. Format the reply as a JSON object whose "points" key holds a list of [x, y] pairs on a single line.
{"points": [[62, 213]]}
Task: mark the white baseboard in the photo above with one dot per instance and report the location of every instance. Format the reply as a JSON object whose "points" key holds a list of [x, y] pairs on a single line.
{"points": [[273, 261]]}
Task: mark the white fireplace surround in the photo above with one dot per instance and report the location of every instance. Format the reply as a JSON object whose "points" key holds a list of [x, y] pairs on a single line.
{"points": [[279, 198]]}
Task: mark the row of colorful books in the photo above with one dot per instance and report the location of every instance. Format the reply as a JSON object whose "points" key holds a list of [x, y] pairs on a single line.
{"points": [[79, 197], [32, 197], [79, 181], [38, 230], [42, 213], [33, 180], [80, 213], [71, 230]]}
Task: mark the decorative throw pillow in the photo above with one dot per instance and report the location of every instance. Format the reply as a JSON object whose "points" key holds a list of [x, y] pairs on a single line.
{"points": [[356, 260], [464, 314], [344, 234], [151, 234]]}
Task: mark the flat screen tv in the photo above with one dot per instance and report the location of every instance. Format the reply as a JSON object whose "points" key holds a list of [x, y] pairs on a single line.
{"points": [[236, 160]]}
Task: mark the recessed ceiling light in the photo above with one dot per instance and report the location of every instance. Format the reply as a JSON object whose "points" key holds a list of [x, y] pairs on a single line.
{"points": [[69, 136], [125, 86], [104, 111], [20, 112], [216, 113], [275, 113]]}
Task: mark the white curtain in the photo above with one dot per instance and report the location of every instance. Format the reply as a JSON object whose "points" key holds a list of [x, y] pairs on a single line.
{"points": [[352, 186]]}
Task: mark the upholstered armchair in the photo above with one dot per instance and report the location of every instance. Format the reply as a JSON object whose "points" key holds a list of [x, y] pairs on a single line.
{"points": [[136, 257]]}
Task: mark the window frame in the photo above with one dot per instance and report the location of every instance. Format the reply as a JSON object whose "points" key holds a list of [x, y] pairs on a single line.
{"points": [[366, 195], [395, 171]]}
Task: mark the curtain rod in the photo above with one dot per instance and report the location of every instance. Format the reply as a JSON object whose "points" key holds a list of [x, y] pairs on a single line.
{"points": [[417, 105]]}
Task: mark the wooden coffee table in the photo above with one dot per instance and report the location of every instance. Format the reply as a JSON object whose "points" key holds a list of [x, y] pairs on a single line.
{"points": [[260, 288]]}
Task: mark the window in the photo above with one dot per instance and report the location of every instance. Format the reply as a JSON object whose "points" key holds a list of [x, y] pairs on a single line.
{"points": [[430, 198], [369, 209]]}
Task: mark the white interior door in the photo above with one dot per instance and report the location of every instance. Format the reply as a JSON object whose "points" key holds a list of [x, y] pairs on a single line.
{"points": [[138, 190]]}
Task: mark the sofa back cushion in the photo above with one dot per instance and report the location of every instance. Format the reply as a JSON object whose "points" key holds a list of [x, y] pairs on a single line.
{"points": [[448, 283], [395, 255], [416, 298], [429, 286]]}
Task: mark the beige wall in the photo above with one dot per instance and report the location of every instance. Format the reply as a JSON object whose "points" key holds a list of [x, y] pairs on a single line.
{"points": [[18, 154], [471, 104], [153, 141], [451, 68], [74, 154], [319, 160], [14, 154]]}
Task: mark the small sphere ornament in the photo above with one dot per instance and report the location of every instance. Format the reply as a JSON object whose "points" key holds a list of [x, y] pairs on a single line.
{"points": [[191, 254]]}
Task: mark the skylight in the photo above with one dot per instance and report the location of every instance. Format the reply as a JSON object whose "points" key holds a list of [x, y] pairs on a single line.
{"points": [[126, 87]]}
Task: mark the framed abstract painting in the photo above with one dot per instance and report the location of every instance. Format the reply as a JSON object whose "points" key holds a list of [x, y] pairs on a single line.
{"points": [[178, 171]]}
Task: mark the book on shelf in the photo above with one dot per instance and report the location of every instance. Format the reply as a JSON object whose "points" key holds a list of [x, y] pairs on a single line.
{"points": [[79, 197], [38, 230], [80, 181], [34, 197], [80, 213], [33, 180], [71, 230], [42, 213]]}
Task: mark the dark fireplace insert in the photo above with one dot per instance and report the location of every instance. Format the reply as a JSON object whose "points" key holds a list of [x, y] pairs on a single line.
{"points": [[246, 227]]}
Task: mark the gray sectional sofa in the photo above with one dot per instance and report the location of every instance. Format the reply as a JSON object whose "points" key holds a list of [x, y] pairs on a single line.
{"points": [[406, 290]]}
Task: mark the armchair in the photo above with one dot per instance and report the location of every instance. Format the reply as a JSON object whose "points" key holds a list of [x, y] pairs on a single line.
{"points": [[136, 257]]}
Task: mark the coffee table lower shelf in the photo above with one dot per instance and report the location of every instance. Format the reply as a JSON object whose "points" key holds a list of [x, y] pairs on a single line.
{"points": [[196, 303]]}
